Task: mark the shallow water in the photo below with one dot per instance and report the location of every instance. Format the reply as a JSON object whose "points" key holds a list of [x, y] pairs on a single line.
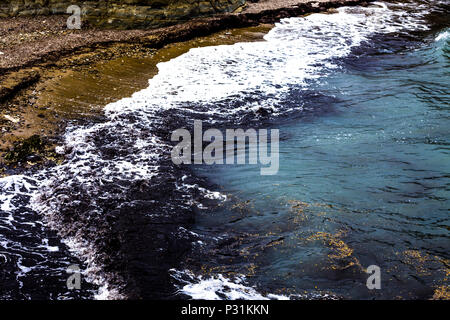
{"points": [[360, 97]]}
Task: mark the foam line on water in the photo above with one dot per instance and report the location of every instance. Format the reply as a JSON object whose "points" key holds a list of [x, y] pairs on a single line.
{"points": [[228, 81]]}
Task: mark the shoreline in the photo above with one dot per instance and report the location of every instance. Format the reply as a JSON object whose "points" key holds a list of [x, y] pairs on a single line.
{"points": [[135, 222], [265, 11], [28, 57], [143, 234]]}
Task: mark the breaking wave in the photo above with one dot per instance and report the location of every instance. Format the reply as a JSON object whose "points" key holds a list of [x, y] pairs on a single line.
{"points": [[120, 204]]}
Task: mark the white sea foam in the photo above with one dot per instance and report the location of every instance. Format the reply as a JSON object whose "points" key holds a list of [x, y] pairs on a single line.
{"points": [[443, 36], [219, 287], [296, 51]]}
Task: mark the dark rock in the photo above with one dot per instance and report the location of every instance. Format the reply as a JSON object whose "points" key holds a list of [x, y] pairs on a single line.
{"points": [[124, 14]]}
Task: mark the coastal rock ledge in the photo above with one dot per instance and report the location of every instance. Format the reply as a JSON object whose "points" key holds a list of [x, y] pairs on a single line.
{"points": [[123, 13]]}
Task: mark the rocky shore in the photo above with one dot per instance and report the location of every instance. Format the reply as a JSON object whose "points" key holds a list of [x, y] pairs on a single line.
{"points": [[123, 14], [132, 248], [33, 48], [28, 41]]}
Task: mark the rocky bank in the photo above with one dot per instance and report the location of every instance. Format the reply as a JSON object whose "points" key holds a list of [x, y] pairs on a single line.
{"points": [[133, 249], [123, 13]]}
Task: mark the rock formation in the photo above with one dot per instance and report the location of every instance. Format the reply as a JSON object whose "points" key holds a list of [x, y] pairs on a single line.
{"points": [[123, 13]]}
